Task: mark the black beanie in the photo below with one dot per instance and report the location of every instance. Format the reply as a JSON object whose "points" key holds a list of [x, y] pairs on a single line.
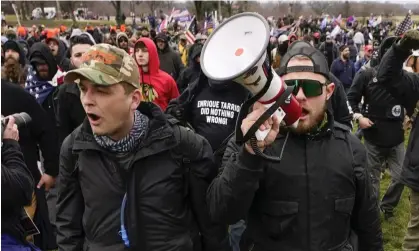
{"points": [[15, 46]]}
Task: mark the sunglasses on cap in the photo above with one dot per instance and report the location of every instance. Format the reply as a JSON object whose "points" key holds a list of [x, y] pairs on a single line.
{"points": [[311, 88]]}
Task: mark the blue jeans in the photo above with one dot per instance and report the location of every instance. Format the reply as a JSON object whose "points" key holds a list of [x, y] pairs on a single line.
{"points": [[236, 232]]}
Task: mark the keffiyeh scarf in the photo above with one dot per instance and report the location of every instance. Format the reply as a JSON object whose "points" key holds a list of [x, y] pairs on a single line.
{"points": [[129, 142]]}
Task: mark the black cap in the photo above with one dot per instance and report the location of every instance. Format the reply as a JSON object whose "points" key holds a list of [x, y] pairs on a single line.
{"points": [[302, 48]]}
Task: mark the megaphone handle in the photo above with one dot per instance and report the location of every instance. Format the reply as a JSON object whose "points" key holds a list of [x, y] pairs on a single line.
{"points": [[280, 114]]}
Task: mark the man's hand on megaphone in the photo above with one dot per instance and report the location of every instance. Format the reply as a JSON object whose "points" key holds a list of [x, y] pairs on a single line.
{"points": [[272, 125]]}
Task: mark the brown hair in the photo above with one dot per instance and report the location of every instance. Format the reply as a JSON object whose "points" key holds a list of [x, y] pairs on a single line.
{"points": [[129, 88]]}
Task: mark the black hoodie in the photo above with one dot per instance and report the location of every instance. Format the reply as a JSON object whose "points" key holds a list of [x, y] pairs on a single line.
{"points": [[191, 73], [63, 62], [211, 109], [170, 61], [41, 51]]}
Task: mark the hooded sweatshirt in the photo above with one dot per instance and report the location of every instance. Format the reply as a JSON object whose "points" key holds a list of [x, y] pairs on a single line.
{"points": [[159, 81], [170, 60], [191, 73], [118, 36], [43, 89]]}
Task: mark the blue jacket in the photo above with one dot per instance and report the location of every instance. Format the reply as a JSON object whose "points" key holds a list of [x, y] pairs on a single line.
{"points": [[361, 62], [344, 71], [9, 243]]}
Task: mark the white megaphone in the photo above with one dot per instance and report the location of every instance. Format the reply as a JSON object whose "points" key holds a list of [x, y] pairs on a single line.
{"points": [[237, 51]]}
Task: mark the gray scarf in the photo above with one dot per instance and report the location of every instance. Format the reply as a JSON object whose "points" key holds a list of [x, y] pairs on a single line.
{"points": [[129, 142]]}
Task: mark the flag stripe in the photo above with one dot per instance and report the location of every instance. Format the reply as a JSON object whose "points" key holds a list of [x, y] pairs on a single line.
{"points": [[190, 37]]}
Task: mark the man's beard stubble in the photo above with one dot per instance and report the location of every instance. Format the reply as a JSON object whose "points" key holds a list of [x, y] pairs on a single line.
{"points": [[313, 122]]}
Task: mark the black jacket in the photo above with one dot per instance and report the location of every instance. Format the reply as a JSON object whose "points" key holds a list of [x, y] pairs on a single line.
{"points": [[62, 60], [341, 109], [42, 50], [160, 207], [309, 201], [380, 107], [186, 110], [170, 61], [16, 188], [192, 72], [404, 86], [70, 111], [330, 51], [40, 131]]}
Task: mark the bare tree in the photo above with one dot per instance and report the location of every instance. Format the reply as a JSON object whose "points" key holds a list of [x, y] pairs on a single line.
{"points": [[295, 9], [42, 6], [153, 5], [118, 14], [243, 6], [22, 10], [320, 8], [199, 9], [346, 9], [58, 8], [229, 7], [69, 7]]}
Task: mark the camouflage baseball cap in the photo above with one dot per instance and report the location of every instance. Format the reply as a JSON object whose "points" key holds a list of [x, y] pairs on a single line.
{"points": [[104, 64]]}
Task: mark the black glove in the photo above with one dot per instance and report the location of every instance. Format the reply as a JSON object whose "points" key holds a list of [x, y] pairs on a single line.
{"points": [[410, 40]]}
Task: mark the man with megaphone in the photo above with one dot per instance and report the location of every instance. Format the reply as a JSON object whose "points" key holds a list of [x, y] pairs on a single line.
{"points": [[316, 195]]}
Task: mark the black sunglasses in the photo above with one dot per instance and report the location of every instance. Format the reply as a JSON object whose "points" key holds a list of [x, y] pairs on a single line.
{"points": [[311, 88]]}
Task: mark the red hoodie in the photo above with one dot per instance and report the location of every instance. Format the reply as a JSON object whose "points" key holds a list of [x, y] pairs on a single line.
{"points": [[162, 82]]}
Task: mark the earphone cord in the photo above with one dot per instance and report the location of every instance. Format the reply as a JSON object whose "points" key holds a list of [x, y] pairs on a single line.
{"points": [[123, 231]]}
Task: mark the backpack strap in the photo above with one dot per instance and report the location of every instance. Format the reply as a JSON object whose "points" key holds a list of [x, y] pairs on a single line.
{"points": [[178, 152]]}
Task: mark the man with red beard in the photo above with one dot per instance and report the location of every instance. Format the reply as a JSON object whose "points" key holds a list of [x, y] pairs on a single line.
{"points": [[319, 195], [15, 62], [157, 86]]}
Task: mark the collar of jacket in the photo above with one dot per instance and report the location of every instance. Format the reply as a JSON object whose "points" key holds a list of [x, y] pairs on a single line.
{"points": [[71, 88], [159, 138]]}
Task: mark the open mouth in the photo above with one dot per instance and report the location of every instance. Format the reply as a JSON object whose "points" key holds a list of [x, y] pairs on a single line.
{"points": [[304, 112], [93, 117]]}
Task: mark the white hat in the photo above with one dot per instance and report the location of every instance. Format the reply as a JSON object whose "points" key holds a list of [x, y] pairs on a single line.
{"points": [[282, 38]]}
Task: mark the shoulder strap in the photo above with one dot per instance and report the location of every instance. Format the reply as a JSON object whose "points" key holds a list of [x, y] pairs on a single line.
{"points": [[341, 126]]}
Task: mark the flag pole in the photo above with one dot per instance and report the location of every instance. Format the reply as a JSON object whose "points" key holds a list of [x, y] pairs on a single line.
{"points": [[17, 14]]}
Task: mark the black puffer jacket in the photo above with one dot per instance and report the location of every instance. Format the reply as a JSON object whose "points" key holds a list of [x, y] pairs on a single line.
{"points": [[311, 200], [404, 86], [164, 200]]}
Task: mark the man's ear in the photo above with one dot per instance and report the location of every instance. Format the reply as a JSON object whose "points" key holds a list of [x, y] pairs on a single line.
{"points": [[137, 97], [330, 88]]}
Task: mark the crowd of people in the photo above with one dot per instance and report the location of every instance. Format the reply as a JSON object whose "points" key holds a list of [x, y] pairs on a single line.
{"points": [[132, 147]]}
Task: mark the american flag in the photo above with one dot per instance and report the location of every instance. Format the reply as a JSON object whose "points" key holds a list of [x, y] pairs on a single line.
{"points": [[191, 30], [209, 22], [41, 89], [404, 26]]}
